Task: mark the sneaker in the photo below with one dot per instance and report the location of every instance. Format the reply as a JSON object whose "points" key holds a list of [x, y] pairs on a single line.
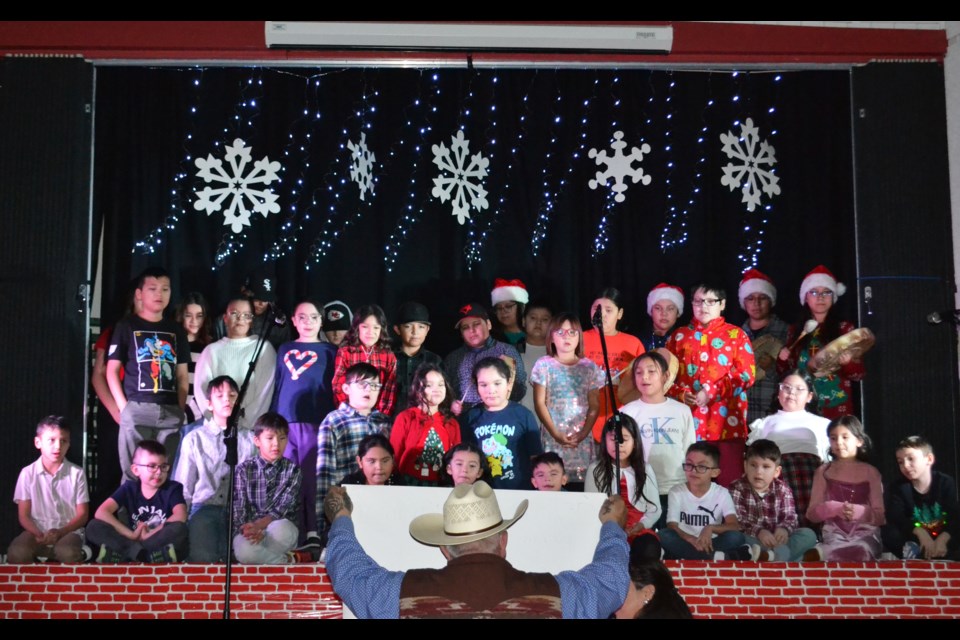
{"points": [[166, 553], [311, 545], [87, 553], [759, 554], [719, 555], [108, 556], [911, 550], [298, 556], [813, 554], [740, 553]]}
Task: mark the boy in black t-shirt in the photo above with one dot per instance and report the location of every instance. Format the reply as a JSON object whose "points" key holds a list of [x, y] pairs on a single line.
{"points": [[154, 354], [155, 528]]}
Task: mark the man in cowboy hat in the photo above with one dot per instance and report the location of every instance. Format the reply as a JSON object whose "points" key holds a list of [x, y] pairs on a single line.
{"points": [[477, 581]]}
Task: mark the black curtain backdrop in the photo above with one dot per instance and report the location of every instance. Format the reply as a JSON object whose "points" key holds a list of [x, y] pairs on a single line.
{"points": [[535, 127], [45, 107]]}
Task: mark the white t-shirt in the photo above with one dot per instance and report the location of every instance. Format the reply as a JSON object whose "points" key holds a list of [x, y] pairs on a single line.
{"points": [[666, 430], [795, 432], [693, 513]]}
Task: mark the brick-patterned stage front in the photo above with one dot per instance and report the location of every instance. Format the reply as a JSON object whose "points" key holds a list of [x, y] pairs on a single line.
{"points": [[712, 589]]}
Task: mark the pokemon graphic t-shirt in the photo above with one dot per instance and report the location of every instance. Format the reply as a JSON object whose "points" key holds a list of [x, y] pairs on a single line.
{"points": [[150, 353], [508, 439]]}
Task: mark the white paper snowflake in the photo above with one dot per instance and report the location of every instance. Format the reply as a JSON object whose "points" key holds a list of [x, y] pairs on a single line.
{"points": [[237, 186], [361, 165], [619, 166], [755, 170], [461, 174]]}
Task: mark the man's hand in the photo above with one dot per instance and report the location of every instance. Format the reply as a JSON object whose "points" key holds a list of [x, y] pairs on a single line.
{"points": [[614, 509], [337, 503]]}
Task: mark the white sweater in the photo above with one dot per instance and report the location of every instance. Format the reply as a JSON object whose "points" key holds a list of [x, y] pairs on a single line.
{"points": [[231, 357], [795, 432]]}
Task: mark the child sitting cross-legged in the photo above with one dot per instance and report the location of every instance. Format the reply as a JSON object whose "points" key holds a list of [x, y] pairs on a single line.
{"points": [[701, 519], [765, 507], [145, 520], [266, 498], [52, 501], [921, 508]]}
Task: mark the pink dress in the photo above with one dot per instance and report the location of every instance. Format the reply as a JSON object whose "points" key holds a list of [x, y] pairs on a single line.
{"points": [[858, 483]]}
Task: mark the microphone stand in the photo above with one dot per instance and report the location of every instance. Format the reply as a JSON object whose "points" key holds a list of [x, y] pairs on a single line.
{"points": [[230, 441], [597, 322]]}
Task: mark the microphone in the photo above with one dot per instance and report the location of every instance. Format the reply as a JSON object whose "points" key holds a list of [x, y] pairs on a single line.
{"points": [[936, 317], [279, 317], [597, 319]]}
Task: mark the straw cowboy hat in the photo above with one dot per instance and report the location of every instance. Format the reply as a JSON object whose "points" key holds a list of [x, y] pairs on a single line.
{"points": [[470, 513]]}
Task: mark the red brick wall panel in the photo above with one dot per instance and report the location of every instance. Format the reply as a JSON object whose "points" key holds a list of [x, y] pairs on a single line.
{"points": [[713, 590]]}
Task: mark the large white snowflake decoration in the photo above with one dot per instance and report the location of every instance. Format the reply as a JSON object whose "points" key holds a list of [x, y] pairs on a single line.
{"points": [[755, 170], [619, 166], [361, 165], [237, 186], [459, 181]]}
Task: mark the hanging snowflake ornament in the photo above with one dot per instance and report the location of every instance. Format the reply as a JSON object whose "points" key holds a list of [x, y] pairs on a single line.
{"points": [[361, 165], [464, 179], [619, 166], [238, 186], [755, 169]]}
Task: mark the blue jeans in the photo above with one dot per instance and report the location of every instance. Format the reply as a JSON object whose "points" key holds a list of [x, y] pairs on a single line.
{"points": [[676, 548], [799, 541], [208, 533]]}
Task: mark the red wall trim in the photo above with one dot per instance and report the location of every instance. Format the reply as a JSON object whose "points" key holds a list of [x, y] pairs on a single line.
{"points": [[694, 43]]}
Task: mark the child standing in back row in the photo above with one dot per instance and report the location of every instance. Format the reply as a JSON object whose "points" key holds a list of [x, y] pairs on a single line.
{"points": [[367, 341], [566, 390], [506, 432]]}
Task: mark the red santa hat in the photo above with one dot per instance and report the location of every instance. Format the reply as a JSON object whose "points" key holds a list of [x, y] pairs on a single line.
{"points": [[507, 290], [665, 291], [756, 282], [821, 277]]}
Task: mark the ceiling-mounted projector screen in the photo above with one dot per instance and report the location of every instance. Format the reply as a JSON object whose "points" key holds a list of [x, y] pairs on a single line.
{"points": [[505, 37]]}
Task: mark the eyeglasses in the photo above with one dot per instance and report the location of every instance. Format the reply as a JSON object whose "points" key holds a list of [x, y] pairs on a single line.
{"points": [[787, 389], [705, 302], [154, 467], [313, 317], [566, 332], [505, 306], [699, 468], [820, 294], [366, 385], [236, 315]]}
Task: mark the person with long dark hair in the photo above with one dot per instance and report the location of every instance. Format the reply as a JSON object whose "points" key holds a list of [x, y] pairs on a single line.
{"points": [[652, 594], [638, 486]]}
